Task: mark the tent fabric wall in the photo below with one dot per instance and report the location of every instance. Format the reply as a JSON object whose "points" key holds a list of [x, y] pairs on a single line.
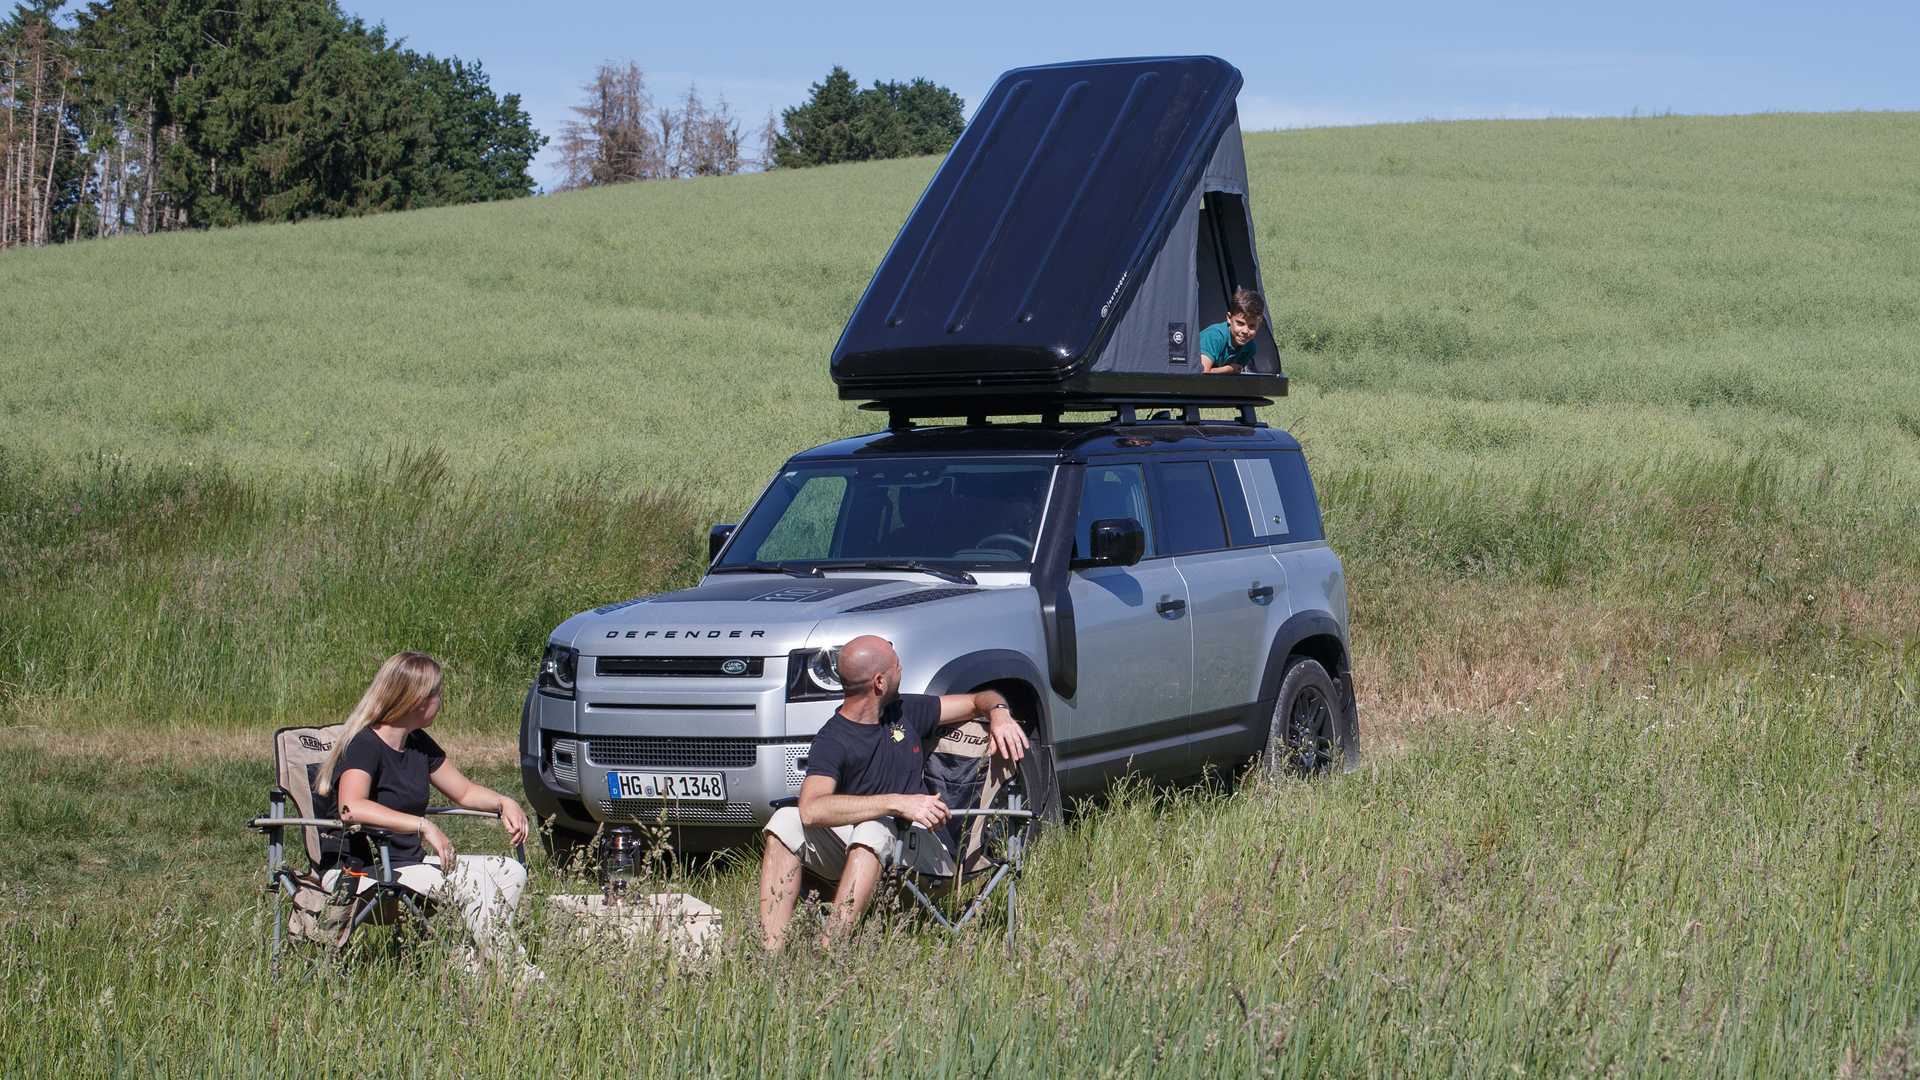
{"points": [[1159, 333], [1165, 301], [1227, 170]]}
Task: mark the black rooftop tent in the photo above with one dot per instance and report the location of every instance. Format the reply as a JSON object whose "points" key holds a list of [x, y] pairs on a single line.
{"points": [[1091, 220]]}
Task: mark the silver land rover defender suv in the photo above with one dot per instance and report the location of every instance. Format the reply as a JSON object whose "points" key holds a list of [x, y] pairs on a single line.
{"points": [[1151, 591], [1154, 597]]}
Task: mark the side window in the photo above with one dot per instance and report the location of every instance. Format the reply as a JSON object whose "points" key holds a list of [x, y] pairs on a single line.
{"points": [[1189, 507], [1266, 512], [1233, 501], [1113, 491], [806, 531], [1301, 507]]}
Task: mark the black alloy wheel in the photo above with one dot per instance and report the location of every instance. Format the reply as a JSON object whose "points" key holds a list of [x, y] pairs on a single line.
{"points": [[1305, 735]]}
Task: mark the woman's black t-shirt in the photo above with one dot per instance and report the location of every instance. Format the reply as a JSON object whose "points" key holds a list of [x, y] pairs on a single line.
{"points": [[399, 783], [887, 758]]}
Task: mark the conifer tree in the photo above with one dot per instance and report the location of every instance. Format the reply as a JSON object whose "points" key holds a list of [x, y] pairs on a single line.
{"points": [[144, 116], [841, 122]]}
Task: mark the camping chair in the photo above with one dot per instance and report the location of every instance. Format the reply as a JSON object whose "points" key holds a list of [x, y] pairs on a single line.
{"points": [[298, 753], [993, 824]]}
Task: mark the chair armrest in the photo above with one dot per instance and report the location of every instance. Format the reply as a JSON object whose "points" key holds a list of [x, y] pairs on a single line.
{"points": [[519, 850], [264, 823], [783, 803]]}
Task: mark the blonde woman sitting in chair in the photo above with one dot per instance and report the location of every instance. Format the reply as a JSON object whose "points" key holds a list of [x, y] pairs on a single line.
{"points": [[378, 773]]}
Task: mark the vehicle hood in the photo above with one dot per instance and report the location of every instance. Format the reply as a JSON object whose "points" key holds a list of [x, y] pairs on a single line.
{"points": [[773, 613]]}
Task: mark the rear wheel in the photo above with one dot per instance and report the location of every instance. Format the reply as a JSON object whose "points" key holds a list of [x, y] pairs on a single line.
{"points": [[1304, 738]]}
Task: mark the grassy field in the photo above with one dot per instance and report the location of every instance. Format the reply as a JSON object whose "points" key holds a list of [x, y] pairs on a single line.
{"points": [[1616, 425], [1452, 297]]}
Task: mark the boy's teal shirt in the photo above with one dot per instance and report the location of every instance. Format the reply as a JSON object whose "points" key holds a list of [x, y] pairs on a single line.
{"points": [[1216, 341]]}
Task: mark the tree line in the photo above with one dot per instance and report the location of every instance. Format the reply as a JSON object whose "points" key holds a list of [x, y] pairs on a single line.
{"points": [[619, 134], [144, 116], [150, 115]]}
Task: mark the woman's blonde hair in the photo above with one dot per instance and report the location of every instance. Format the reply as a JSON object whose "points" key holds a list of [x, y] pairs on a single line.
{"points": [[405, 681]]}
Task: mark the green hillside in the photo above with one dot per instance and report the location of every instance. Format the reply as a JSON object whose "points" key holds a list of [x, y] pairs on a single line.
{"points": [[1467, 295], [1616, 427]]}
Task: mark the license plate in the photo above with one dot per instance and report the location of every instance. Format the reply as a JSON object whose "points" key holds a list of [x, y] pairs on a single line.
{"points": [[679, 787]]}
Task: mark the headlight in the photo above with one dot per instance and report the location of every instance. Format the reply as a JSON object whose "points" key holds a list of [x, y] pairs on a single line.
{"points": [[557, 669], [813, 674]]}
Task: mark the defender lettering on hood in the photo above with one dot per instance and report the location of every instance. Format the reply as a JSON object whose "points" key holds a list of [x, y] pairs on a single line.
{"points": [[684, 633]]}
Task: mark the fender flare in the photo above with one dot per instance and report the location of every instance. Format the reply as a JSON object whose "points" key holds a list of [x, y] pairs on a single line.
{"points": [[963, 673], [1299, 627]]}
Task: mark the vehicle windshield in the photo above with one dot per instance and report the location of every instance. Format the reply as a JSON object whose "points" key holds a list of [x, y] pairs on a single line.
{"points": [[950, 513]]}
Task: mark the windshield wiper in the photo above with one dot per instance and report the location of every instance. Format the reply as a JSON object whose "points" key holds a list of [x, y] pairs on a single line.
{"points": [[767, 568], [958, 577]]}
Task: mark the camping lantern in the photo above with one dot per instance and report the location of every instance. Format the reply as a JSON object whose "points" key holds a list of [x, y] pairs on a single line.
{"points": [[618, 861]]}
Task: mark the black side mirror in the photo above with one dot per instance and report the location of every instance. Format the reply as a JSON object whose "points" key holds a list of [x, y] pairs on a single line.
{"points": [[717, 536], [1117, 542]]}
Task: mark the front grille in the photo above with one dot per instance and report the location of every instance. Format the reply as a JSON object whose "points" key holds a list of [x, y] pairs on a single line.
{"points": [[655, 811], [672, 752], [713, 667]]}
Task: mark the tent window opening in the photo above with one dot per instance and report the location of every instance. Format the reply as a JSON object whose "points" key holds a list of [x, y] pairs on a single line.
{"points": [[1223, 262], [1223, 258]]}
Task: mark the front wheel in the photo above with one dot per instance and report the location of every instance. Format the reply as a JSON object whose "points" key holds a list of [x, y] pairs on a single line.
{"points": [[1307, 726]]}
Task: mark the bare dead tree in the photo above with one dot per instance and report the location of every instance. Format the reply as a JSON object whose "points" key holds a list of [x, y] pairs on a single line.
{"points": [[769, 132], [709, 139], [668, 123], [621, 135], [613, 140]]}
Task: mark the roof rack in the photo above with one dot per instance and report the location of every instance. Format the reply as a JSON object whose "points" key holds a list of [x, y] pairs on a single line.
{"points": [[1126, 411]]}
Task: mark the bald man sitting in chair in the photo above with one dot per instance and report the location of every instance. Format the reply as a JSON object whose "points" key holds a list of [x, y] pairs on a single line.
{"points": [[865, 778]]}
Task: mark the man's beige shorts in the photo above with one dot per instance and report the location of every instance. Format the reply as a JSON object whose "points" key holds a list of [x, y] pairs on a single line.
{"points": [[823, 849]]}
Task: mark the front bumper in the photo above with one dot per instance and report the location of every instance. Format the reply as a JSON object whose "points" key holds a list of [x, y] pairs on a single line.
{"points": [[569, 748]]}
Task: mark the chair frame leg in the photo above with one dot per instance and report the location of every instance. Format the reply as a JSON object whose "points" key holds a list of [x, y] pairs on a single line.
{"points": [[276, 857]]}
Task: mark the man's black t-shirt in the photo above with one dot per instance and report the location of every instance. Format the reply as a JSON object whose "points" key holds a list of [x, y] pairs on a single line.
{"points": [[887, 758], [399, 783]]}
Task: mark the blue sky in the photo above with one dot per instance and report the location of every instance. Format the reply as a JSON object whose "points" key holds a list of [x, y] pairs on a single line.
{"points": [[1305, 66]]}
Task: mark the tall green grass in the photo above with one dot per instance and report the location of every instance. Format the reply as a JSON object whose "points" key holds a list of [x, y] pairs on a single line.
{"points": [[1718, 881], [1616, 426], [187, 595], [1496, 296], [169, 596]]}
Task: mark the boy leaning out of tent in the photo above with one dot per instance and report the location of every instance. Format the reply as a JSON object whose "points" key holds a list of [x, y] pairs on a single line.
{"points": [[1226, 348]]}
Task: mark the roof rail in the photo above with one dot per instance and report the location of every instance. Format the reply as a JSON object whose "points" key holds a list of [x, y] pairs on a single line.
{"points": [[1126, 411]]}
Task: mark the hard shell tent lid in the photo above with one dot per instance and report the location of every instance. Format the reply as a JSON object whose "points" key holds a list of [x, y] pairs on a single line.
{"points": [[1090, 221]]}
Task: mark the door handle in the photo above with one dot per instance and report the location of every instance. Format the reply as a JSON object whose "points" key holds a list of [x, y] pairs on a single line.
{"points": [[1170, 607], [1260, 593]]}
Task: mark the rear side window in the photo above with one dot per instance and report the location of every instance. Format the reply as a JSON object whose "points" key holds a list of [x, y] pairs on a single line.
{"points": [[1113, 491], [1275, 497], [1189, 507]]}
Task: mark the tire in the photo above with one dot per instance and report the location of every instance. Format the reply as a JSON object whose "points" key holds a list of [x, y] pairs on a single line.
{"points": [[1036, 786], [1306, 735]]}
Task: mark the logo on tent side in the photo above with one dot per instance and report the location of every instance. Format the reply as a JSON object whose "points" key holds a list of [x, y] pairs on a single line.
{"points": [[1108, 306]]}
